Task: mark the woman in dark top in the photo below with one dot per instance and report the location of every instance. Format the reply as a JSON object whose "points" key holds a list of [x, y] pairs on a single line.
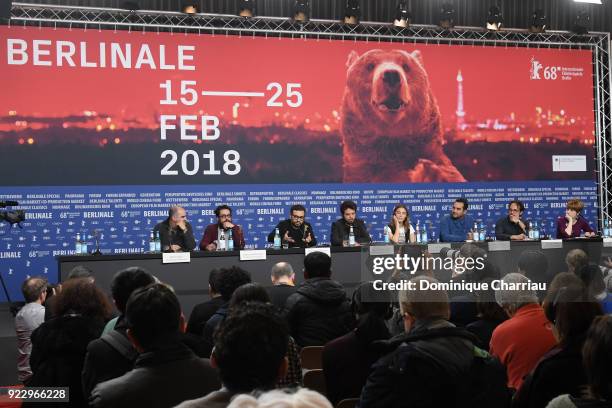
{"points": [[347, 359], [573, 224], [597, 361], [490, 315], [570, 310], [59, 345]]}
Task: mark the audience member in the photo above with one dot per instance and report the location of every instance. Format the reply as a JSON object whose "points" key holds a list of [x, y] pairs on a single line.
{"points": [[592, 277], [27, 320], [112, 355], [302, 398], [283, 281], [490, 315], [523, 339], [78, 271], [250, 350], [155, 322], [347, 359], [59, 345], [254, 292], [571, 311], [576, 259], [319, 310], [534, 265], [597, 361], [229, 280], [204, 311], [435, 363]]}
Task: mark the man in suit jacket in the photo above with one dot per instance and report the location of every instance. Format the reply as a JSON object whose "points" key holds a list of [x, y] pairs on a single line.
{"points": [[212, 233], [155, 322]]}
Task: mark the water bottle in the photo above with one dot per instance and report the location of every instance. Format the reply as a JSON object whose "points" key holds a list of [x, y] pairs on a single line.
{"points": [[475, 233], [152, 242], [157, 242], [482, 233], [78, 245], [536, 230], [606, 228], [424, 236], [417, 232], [277, 239], [221, 246], [351, 240], [84, 245], [386, 234], [402, 236], [230, 241]]}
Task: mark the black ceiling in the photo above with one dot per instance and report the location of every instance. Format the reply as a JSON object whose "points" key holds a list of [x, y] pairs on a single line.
{"points": [[517, 13]]}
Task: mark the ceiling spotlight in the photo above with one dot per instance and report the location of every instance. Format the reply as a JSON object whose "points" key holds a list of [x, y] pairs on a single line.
{"points": [[538, 21], [189, 8], [301, 10], [402, 14], [247, 8], [352, 12], [495, 19], [447, 16], [582, 22]]}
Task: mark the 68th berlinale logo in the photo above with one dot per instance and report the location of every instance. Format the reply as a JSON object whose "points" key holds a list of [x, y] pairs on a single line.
{"points": [[536, 67], [549, 73]]}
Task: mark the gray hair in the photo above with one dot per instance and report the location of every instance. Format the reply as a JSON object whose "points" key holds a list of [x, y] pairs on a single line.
{"points": [[515, 298], [302, 398], [281, 269]]}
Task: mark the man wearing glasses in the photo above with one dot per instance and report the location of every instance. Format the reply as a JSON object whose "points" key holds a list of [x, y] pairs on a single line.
{"points": [[512, 227], [295, 231], [213, 233], [175, 233]]}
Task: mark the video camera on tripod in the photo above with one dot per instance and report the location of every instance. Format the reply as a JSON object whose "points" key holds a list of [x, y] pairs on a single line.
{"points": [[14, 216]]}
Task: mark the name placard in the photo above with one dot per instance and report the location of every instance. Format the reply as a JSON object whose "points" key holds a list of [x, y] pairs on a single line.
{"points": [[499, 246], [552, 243], [176, 257], [253, 255]]}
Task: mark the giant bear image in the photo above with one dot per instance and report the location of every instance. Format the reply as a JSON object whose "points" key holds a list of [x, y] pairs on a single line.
{"points": [[391, 127]]}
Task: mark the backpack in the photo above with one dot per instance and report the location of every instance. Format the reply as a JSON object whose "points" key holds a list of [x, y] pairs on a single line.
{"points": [[121, 344]]}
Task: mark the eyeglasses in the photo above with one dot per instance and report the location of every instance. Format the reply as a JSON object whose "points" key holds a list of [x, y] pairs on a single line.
{"points": [[295, 217], [514, 210], [225, 215]]}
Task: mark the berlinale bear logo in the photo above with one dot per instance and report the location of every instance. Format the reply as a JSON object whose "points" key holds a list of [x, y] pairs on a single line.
{"points": [[391, 127]]}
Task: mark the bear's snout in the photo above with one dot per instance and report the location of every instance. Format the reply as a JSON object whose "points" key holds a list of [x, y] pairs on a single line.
{"points": [[391, 77]]}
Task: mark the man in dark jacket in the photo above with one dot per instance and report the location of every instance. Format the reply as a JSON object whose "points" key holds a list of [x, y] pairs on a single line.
{"points": [[319, 310], [434, 364], [283, 281], [175, 233], [159, 379], [204, 311], [341, 228], [112, 355], [295, 231]]}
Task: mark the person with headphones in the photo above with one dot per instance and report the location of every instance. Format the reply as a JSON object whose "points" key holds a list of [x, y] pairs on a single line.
{"points": [[347, 359]]}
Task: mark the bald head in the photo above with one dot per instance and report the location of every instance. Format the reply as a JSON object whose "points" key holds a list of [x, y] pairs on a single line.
{"points": [[282, 272], [34, 290]]}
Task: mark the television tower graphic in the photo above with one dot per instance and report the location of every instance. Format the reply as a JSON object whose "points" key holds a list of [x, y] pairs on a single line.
{"points": [[460, 113]]}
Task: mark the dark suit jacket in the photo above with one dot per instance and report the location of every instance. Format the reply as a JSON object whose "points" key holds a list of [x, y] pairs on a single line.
{"points": [[162, 378], [170, 236], [340, 231], [201, 313], [210, 235]]}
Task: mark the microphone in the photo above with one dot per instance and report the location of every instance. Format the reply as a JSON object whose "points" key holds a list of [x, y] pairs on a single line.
{"points": [[304, 234]]}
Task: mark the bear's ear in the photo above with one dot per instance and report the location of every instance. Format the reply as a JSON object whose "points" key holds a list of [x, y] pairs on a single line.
{"points": [[416, 54], [351, 58]]}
